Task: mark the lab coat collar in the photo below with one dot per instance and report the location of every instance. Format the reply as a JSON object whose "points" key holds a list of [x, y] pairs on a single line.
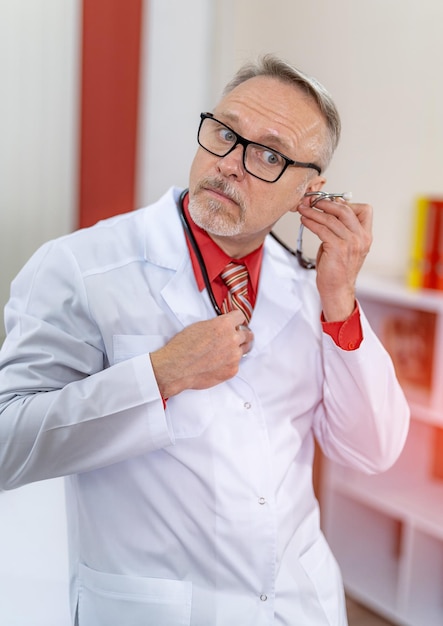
{"points": [[165, 243]]}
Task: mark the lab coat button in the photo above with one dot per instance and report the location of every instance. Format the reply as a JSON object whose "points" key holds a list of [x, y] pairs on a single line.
{"points": [[247, 405], [262, 500], [263, 597]]}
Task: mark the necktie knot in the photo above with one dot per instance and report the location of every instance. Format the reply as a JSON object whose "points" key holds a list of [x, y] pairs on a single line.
{"points": [[235, 276]]}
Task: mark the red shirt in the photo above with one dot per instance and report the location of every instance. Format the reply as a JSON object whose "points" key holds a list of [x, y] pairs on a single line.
{"points": [[347, 335]]}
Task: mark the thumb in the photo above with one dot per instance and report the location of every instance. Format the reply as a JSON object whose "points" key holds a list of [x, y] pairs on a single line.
{"points": [[236, 317]]}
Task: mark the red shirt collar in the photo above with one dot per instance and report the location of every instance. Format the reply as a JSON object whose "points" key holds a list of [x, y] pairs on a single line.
{"points": [[216, 260]]}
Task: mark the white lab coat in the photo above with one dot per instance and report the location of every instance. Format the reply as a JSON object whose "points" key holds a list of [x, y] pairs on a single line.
{"points": [[203, 514]]}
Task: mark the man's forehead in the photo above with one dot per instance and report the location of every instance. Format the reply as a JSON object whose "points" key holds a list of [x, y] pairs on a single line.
{"points": [[262, 86], [267, 96], [275, 110]]}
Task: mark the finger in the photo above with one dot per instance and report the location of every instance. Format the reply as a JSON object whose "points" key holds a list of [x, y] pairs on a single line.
{"points": [[338, 218], [323, 208], [234, 318], [325, 225], [245, 335], [345, 211], [235, 321], [247, 339], [235, 326], [364, 215]]}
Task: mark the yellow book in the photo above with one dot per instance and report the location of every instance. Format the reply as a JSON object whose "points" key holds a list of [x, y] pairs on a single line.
{"points": [[417, 259]]}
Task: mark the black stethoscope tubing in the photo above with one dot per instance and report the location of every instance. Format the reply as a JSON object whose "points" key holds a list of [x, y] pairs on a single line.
{"points": [[197, 252], [304, 262]]}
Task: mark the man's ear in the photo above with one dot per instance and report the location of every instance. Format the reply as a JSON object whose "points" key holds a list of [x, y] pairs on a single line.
{"points": [[315, 184]]}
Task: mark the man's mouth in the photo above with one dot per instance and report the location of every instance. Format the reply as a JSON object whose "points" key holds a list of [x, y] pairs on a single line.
{"points": [[221, 192]]}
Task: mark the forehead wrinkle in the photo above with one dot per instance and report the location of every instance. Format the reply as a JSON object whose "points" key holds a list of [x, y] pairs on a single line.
{"points": [[245, 108], [270, 137]]}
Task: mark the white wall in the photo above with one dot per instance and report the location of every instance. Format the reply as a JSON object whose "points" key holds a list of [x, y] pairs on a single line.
{"points": [[381, 60], [177, 59], [38, 111]]}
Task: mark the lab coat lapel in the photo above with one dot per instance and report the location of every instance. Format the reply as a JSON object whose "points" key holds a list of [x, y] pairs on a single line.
{"points": [[165, 247], [183, 297], [278, 300]]}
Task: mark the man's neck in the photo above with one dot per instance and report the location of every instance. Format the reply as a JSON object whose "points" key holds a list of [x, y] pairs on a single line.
{"points": [[238, 246]]}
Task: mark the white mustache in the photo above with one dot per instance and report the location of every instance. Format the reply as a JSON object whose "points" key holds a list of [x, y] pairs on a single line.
{"points": [[224, 187]]}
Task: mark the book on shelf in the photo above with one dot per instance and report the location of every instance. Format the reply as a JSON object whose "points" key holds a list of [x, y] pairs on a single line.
{"points": [[426, 255], [437, 465], [409, 336]]}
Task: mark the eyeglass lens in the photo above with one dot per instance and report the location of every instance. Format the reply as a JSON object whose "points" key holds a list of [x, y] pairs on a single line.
{"points": [[258, 160]]}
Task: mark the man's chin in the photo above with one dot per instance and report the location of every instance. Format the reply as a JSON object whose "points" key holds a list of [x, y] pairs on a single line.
{"points": [[212, 217]]}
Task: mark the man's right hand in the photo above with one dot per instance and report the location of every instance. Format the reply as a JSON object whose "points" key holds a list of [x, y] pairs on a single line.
{"points": [[202, 355]]}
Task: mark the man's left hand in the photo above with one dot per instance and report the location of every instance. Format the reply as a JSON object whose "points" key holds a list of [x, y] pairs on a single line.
{"points": [[345, 231]]}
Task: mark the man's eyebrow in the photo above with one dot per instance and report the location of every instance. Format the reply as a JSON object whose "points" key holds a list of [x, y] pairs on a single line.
{"points": [[269, 139]]}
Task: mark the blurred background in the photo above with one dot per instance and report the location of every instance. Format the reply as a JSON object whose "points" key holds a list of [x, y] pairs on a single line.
{"points": [[101, 99], [99, 107]]}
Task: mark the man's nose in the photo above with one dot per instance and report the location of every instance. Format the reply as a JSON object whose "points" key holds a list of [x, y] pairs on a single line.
{"points": [[232, 163]]}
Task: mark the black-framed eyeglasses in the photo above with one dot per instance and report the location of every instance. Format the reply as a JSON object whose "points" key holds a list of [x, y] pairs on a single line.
{"points": [[258, 160]]}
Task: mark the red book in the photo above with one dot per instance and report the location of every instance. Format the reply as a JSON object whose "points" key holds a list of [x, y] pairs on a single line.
{"points": [[433, 241], [437, 466], [439, 252]]}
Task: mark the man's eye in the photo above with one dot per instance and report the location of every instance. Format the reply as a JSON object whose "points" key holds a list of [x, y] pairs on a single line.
{"points": [[227, 135], [271, 158]]}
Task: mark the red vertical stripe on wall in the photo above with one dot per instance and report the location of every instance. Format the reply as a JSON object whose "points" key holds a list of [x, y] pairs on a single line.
{"points": [[111, 38]]}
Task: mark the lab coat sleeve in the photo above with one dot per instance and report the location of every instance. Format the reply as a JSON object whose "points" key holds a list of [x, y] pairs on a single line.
{"points": [[364, 419], [63, 409]]}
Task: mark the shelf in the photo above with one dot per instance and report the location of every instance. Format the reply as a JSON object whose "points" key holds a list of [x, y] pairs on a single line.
{"points": [[426, 581], [420, 410], [394, 291], [367, 561], [386, 563], [386, 530], [406, 491], [418, 503], [409, 323]]}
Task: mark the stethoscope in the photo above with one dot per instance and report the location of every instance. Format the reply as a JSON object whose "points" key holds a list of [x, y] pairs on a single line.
{"points": [[304, 261], [192, 240]]}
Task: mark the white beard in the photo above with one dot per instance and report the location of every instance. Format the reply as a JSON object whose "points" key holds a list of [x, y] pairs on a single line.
{"points": [[211, 215]]}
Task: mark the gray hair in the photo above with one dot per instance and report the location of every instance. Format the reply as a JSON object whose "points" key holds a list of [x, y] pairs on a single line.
{"points": [[272, 66]]}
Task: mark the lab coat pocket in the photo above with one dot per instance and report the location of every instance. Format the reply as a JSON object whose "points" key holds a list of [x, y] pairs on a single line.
{"points": [[323, 571], [113, 600], [190, 412], [128, 346]]}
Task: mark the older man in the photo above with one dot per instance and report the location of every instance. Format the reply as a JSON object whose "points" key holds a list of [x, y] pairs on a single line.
{"points": [[188, 467]]}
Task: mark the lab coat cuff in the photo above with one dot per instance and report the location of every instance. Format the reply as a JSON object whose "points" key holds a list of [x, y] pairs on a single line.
{"points": [[159, 427]]}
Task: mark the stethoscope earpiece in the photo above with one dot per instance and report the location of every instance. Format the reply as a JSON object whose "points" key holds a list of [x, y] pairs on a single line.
{"points": [[324, 195]]}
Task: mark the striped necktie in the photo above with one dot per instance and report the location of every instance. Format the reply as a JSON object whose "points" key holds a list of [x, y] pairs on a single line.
{"points": [[235, 276]]}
